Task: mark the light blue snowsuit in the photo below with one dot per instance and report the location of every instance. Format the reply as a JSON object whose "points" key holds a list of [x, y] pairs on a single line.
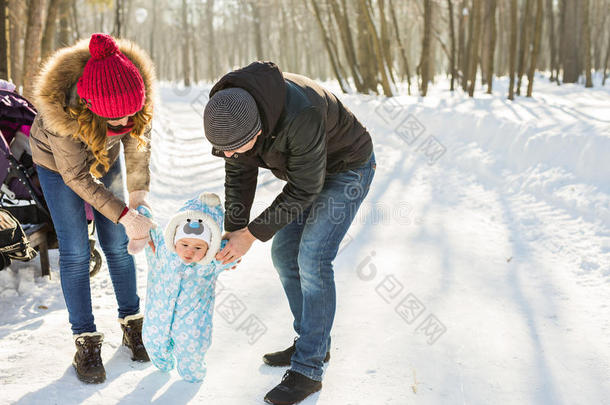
{"points": [[179, 296]]}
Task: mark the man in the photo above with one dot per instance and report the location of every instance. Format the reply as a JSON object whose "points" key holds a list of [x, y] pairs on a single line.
{"points": [[258, 116]]}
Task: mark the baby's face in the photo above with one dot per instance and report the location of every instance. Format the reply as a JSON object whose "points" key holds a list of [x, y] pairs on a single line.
{"points": [[191, 250]]}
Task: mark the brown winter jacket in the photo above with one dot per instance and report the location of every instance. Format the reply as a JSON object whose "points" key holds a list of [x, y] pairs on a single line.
{"points": [[51, 136]]}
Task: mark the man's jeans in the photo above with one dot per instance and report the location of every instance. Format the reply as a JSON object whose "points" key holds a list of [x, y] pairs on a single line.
{"points": [[69, 218], [303, 254]]}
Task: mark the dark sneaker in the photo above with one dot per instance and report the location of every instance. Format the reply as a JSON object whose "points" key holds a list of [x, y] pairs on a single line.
{"points": [[282, 359], [132, 336], [294, 388], [88, 358]]}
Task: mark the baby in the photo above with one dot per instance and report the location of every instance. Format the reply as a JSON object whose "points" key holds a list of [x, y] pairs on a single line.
{"points": [[180, 292]]}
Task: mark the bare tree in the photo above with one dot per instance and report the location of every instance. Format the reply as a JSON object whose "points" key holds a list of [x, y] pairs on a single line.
{"points": [[342, 21], [535, 48], [424, 61], [552, 42], [569, 41], [32, 45], [586, 33], [381, 66], [48, 37], [119, 17], [329, 49], [186, 48], [385, 39], [474, 46], [606, 63], [16, 33], [5, 49], [492, 44], [452, 38], [462, 48], [403, 53], [513, 48], [523, 43], [64, 36]]}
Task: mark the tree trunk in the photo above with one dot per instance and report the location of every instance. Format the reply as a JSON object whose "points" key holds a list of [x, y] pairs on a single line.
{"points": [[32, 45], [536, 48], [462, 59], [258, 38], [366, 59], [75, 19], [347, 41], [587, 42], [452, 38], [468, 49], [48, 37], [381, 66], [552, 42], [424, 62], [600, 16], [523, 43], [213, 69], [476, 37], [151, 42], [5, 49], [332, 56], [403, 53], [16, 33], [606, 63], [385, 39], [513, 49], [570, 43], [118, 18], [186, 47], [64, 36], [492, 44]]}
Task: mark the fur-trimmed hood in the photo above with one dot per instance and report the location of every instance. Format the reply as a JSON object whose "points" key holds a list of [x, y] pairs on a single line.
{"points": [[55, 87], [208, 209]]}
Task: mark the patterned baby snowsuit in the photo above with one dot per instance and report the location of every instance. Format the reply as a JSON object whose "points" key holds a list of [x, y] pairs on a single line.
{"points": [[180, 297]]}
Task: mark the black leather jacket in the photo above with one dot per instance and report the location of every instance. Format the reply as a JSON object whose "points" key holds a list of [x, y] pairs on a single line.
{"points": [[307, 133]]}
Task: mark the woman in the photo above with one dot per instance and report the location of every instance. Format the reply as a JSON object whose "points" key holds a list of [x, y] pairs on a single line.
{"points": [[90, 98]]}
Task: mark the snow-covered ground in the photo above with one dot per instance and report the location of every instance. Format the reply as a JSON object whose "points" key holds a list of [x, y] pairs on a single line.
{"points": [[477, 272]]}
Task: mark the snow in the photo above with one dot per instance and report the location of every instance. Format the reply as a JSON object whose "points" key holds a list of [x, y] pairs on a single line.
{"points": [[488, 226]]}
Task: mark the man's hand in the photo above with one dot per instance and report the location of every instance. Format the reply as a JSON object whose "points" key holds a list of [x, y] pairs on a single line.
{"points": [[239, 242]]}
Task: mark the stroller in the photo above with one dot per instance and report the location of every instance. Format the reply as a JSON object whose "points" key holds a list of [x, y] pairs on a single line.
{"points": [[20, 191]]}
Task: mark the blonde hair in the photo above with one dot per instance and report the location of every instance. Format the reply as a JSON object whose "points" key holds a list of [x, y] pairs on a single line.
{"points": [[92, 131]]}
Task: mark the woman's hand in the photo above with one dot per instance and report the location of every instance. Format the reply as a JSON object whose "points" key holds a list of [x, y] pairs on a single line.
{"points": [[239, 242], [136, 225]]}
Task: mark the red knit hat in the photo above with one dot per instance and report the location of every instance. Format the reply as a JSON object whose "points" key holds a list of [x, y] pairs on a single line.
{"points": [[110, 84]]}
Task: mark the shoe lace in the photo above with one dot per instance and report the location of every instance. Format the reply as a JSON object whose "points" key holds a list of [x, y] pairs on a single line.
{"points": [[92, 351], [289, 378]]}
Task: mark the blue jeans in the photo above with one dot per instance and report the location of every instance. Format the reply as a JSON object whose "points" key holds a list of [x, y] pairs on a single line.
{"points": [[69, 218], [303, 254]]}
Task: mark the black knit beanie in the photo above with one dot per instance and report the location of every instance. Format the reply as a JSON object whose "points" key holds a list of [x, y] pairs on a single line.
{"points": [[231, 119]]}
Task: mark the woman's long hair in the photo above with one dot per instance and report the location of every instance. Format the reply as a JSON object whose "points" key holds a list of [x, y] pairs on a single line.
{"points": [[92, 131]]}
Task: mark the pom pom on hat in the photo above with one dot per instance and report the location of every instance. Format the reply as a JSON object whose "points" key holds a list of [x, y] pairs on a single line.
{"points": [[101, 46]]}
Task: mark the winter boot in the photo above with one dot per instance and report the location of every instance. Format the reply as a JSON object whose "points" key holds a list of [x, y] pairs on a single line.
{"points": [[132, 336], [88, 359], [282, 358], [294, 388]]}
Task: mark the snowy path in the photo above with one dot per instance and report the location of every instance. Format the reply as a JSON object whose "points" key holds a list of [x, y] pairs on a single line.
{"points": [[502, 245]]}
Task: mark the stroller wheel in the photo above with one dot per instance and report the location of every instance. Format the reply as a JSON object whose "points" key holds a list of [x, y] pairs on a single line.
{"points": [[95, 262]]}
